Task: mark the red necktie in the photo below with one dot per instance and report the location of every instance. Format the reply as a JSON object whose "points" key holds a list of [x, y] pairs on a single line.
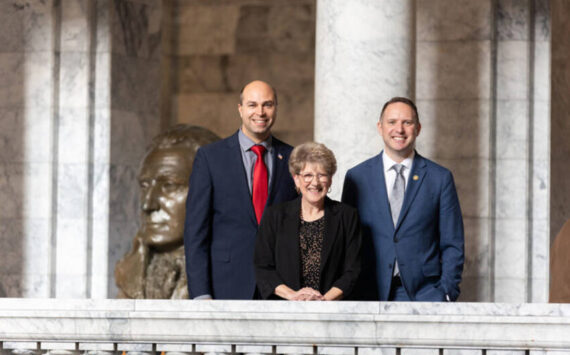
{"points": [[259, 193]]}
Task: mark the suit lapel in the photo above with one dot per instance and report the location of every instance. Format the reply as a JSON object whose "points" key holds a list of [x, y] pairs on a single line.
{"points": [[235, 165], [279, 168], [378, 187], [414, 182], [331, 232], [291, 231]]}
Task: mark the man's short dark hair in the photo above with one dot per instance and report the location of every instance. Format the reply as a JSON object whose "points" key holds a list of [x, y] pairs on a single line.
{"points": [[243, 88], [403, 100]]}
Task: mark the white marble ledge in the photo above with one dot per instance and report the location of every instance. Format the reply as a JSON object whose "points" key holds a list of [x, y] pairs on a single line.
{"points": [[174, 324]]}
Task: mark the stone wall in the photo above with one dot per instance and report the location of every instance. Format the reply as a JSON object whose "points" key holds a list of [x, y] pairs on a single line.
{"points": [[483, 94], [560, 134], [134, 76], [219, 46], [79, 101], [86, 84], [454, 98]]}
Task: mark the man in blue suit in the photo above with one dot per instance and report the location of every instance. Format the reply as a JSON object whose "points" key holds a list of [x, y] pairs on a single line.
{"points": [[229, 188], [413, 243]]}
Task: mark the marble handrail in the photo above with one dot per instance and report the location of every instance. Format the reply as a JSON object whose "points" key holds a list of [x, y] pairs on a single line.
{"points": [[281, 327]]}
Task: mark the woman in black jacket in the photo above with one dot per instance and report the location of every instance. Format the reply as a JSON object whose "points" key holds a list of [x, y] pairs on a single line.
{"points": [[308, 248]]}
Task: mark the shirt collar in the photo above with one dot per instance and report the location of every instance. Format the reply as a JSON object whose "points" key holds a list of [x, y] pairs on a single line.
{"points": [[388, 162], [246, 143]]}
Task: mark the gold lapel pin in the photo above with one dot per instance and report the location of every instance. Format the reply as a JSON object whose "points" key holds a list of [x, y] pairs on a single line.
{"points": [[280, 156], [416, 177]]}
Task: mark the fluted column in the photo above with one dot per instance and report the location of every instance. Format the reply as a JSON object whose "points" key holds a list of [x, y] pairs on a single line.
{"points": [[107, 108], [364, 56]]}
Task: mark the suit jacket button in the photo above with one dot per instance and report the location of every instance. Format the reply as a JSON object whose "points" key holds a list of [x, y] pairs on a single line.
{"points": [[396, 240]]}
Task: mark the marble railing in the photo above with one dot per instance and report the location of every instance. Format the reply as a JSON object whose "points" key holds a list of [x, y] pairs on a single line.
{"points": [[267, 327]]}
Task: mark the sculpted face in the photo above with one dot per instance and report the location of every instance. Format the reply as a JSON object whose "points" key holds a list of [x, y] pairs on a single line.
{"points": [[399, 129], [258, 110], [164, 186]]}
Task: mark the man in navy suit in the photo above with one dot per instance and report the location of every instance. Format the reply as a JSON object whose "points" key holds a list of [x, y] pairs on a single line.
{"points": [[413, 243], [221, 219]]}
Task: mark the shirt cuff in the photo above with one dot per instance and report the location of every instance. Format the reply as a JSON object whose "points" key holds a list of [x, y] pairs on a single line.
{"points": [[203, 297]]}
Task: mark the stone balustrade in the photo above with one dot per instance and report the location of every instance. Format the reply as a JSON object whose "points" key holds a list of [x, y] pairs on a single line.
{"points": [[274, 327]]}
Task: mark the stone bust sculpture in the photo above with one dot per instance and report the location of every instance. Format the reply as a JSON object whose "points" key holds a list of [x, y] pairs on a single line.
{"points": [[155, 265]]}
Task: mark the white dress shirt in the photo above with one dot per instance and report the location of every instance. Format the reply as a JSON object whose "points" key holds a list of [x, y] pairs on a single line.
{"points": [[390, 174]]}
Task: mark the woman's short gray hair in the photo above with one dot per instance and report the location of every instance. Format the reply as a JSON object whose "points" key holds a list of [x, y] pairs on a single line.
{"points": [[312, 152]]}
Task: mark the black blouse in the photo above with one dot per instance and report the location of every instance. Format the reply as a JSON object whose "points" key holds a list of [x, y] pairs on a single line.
{"points": [[311, 242]]}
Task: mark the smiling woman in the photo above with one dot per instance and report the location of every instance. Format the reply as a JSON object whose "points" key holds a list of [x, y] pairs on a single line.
{"points": [[309, 248], [155, 266]]}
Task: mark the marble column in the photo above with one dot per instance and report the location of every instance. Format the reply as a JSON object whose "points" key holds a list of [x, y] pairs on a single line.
{"points": [[108, 108], [26, 126], [520, 165], [364, 56], [78, 103], [539, 150], [72, 148]]}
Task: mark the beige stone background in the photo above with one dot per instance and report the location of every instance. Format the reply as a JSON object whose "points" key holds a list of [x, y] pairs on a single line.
{"points": [[217, 47], [86, 84]]}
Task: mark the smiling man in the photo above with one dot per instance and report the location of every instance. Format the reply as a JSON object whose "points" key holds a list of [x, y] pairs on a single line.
{"points": [[413, 243], [232, 182]]}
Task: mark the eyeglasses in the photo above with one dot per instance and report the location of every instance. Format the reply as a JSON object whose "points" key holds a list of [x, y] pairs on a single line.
{"points": [[309, 177]]}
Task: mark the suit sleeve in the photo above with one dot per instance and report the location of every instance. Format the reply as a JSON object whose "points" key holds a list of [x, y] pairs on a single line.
{"points": [[366, 285], [451, 238], [349, 191], [197, 228], [352, 259], [264, 256]]}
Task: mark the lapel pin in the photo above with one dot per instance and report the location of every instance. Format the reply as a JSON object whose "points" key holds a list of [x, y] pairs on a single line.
{"points": [[280, 156], [415, 177]]}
